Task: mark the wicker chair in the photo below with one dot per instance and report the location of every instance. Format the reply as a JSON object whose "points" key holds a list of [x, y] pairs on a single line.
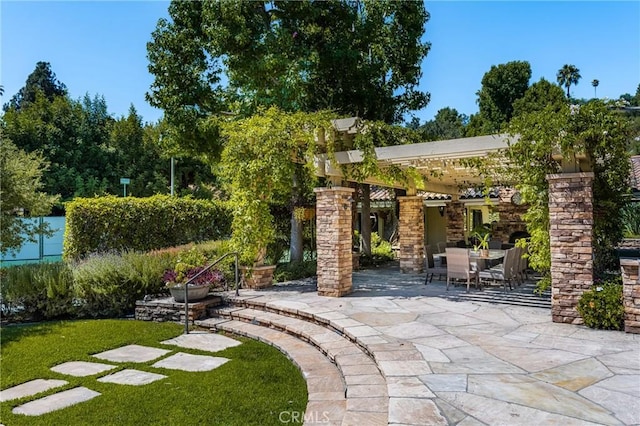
{"points": [[459, 267], [431, 268]]}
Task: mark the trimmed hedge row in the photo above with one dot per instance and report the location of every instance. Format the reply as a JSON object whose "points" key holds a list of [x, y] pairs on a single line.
{"points": [[108, 224]]}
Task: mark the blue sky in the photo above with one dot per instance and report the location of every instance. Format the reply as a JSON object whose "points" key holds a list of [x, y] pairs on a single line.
{"points": [[100, 47]]}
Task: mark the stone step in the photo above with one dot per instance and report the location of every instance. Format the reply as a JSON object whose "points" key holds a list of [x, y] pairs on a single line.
{"points": [[350, 392]]}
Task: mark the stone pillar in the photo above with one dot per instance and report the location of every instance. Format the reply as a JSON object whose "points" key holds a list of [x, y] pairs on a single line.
{"points": [[631, 294], [455, 221], [411, 233], [571, 231], [334, 240]]}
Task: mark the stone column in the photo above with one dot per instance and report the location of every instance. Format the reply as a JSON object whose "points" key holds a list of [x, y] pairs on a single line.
{"points": [[334, 240], [571, 231], [631, 294], [411, 233], [455, 221]]}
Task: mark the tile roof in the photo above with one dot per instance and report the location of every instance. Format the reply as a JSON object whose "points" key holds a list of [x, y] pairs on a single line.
{"points": [[635, 172]]}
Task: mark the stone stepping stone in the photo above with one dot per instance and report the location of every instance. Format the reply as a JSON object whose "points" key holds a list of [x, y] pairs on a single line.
{"points": [[188, 362], [82, 368], [55, 402], [132, 353], [30, 388], [132, 377], [203, 341]]}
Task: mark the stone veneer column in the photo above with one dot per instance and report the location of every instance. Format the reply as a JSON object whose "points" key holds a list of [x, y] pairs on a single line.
{"points": [[631, 294], [334, 240], [455, 221], [411, 233], [571, 230]]}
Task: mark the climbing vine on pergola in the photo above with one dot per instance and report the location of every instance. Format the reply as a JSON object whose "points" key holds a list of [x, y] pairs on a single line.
{"points": [[262, 152]]}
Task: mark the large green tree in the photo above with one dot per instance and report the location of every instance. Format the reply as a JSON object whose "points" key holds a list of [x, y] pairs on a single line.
{"points": [[448, 123], [540, 95], [502, 85], [20, 195], [356, 58], [568, 75], [42, 79]]}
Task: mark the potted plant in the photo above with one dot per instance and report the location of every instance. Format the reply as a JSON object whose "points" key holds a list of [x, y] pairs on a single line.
{"points": [[190, 270], [481, 236]]}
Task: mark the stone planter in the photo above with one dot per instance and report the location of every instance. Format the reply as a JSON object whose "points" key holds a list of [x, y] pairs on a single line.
{"points": [[257, 277], [196, 292]]}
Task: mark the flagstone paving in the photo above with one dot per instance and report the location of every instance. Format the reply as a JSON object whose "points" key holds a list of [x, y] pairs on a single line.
{"points": [[132, 377], [82, 368], [447, 358], [189, 362], [56, 401], [132, 353], [30, 388]]}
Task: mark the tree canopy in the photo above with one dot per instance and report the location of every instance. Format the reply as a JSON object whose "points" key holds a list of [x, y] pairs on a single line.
{"points": [[355, 58], [20, 191], [568, 75], [43, 80]]}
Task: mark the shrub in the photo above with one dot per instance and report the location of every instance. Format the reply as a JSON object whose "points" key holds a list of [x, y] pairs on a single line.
{"points": [[381, 252], [602, 306], [107, 224], [108, 285], [37, 292], [294, 271]]}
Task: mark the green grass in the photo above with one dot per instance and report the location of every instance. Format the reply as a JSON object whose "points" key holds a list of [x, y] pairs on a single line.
{"points": [[252, 389]]}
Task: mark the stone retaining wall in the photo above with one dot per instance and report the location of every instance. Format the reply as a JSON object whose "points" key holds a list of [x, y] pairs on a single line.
{"points": [[631, 294], [257, 277], [166, 309]]}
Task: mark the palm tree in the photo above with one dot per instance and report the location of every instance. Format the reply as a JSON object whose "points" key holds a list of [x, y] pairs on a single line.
{"points": [[568, 75], [595, 83]]}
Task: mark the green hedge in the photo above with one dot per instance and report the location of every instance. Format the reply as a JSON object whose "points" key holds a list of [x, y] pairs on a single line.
{"points": [[108, 224]]}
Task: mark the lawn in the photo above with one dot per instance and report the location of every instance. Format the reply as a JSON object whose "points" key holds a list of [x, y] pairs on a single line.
{"points": [[253, 388]]}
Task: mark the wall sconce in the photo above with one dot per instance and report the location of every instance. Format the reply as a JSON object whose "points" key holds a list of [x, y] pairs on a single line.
{"points": [[441, 211]]}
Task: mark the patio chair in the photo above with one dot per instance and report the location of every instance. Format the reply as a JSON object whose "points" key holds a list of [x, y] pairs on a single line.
{"points": [[432, 269], [441, 246], [521, 269], [505, 272], [459, 267]]}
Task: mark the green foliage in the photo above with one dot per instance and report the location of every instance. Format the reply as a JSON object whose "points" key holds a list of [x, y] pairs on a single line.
{"points": [[592, 129], [20, 188], [447, 124], [141, 224], [42, 80], [539, 96], [381, 252], [295, 271], [631, 220], [37, 292], [108, 285], [354, 58], [502, 85], [568, 75], [602, 306]]}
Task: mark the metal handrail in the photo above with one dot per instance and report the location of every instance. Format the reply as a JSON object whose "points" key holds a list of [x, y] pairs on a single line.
{"points": [[186, 286]]}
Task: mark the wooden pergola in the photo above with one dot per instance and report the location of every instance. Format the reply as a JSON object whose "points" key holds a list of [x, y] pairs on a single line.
{"points": [[445, 167]]}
